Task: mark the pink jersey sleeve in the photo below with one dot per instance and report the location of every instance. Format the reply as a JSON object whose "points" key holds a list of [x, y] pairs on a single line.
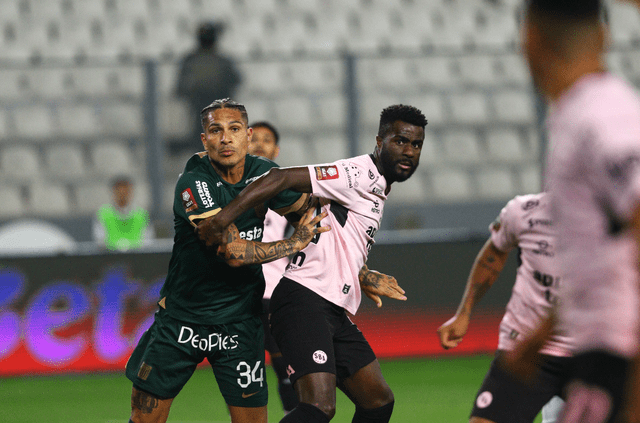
{"points": [[337, 181]]}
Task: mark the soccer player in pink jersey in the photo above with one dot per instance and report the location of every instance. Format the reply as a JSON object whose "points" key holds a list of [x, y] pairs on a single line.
{"points": [[594, 181], [265, 143], [524, 224], [309, 306]]}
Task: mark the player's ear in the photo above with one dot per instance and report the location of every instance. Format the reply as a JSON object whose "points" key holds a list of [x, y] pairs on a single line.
{"points": [[202, 138], [249, 134], [277, 151]]}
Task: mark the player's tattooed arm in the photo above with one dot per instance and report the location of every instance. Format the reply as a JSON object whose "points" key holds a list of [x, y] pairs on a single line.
{"points": [[375, 284], [239, 252], [485, 270]]}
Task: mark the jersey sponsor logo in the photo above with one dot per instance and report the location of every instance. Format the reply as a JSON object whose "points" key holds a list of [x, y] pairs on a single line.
{"points": [[514, 334], [188, 201], [375, 209], [484, 399], [353, 173], [249, 395], [542, 222], [205, 195], [544, 249], [214, 340], [324, 173], [371, 175], [250, 235], [377, 191], [530, 204], [248, 181], [320, 357], [346, 288]]}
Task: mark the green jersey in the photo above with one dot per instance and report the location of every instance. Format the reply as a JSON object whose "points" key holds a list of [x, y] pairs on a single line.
{"points": [[200, 287]]}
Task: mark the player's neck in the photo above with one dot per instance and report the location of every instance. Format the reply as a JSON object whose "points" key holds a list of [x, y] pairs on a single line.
{"points": [[568, 74], [231, 174]]}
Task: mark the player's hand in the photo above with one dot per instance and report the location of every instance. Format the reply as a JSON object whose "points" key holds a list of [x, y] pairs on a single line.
{"points": [[210, 231], [375, 284], [307, 228], [452, 331]]}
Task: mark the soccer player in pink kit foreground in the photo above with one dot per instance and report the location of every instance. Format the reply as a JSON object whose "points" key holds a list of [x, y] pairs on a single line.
{"points": [[309, 321], [593, 178], [524, 224]]}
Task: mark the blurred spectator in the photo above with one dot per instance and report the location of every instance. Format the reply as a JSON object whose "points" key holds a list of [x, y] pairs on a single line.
{"points": [[205, 76], [119, 226]]}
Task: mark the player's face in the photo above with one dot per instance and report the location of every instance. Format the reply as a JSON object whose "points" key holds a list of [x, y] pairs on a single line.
{"points": [[226, 137], [263, 143], [399, 151]]}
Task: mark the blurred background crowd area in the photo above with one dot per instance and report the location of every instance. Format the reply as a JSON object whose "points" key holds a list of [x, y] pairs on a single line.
{"points": [[88, 92]]}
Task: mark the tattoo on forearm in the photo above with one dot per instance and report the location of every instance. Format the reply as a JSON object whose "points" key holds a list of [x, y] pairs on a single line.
{"points": [[144, 402]]}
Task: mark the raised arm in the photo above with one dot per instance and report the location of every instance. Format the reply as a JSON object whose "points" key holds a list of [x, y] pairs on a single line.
{"points": [[239, 252], [485, 270], [262, 189]]}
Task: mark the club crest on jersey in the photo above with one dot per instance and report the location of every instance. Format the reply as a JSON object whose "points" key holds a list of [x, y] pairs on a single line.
{"points": [[188, 201], [346, 288], [324, 173], [205, 195], [530, 204]]}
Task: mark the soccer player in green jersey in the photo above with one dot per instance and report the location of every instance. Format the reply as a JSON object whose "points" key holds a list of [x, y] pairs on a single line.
{"points": [[211, 300]]}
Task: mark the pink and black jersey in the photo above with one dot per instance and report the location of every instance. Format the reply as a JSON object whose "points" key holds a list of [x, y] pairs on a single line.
{"points": [[525, 224], [594, 179], [352, 191], [274, 229]]}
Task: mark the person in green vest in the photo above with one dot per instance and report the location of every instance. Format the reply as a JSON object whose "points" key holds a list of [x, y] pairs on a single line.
{"points": [[120, 226]]}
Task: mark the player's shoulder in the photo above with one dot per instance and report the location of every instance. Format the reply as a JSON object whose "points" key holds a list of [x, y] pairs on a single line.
{"points": [[523, 205]]}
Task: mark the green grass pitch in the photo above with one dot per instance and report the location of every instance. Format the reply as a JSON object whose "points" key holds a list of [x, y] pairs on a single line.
{"points": [[438, 390]]}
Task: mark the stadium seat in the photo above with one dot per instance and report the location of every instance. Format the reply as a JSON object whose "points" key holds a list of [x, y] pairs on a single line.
{"points": [[294, 112], [122, 119], [504, 145], [48, 199], [19, 162], [450, 184], [167, 78], [332, 110], [372, 103], [431, 150], [316, 75], [514, 69], [514, 106], [294, 152], [470, 107], [257, 109], [175, 121], [78, 120], [11, 201], [495, 183], [531, 179], [33, 121], [14, 83], [4, 129], [461, 146], [477, 70], [329, 149], [49, 82], [262, 76], [112, 158], [430, 104], [65, 161], [411, 191]]}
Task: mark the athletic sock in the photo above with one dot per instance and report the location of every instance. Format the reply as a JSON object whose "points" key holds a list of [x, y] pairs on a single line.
{"points": [[288, 395], [305, 413], [374, 415]]}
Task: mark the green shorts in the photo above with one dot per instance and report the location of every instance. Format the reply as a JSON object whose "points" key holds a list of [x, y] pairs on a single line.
{"points": [[170, 350]]}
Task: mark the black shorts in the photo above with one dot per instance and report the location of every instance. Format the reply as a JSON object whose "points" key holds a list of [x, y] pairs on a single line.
{"points": [[316, 335], [596, 388], [269, 342], [505, 399]]}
